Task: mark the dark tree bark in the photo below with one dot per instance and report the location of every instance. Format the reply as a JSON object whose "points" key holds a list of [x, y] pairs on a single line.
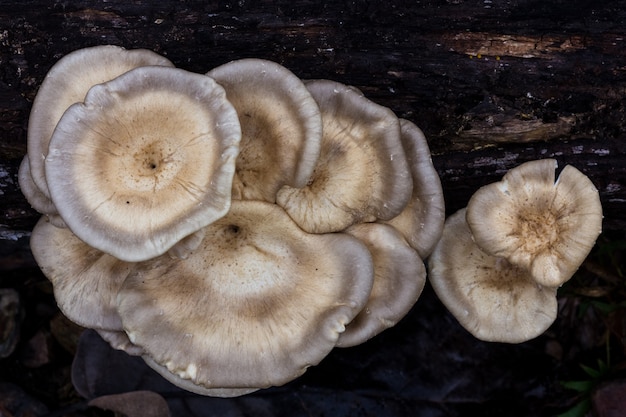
{"points": [[492, 83]]}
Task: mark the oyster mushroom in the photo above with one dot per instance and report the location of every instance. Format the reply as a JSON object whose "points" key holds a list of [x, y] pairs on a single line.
{"points": [[145, 161], [362, 173]]}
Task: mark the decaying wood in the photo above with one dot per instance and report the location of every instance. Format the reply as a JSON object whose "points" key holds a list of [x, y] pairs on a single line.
{"points": [[492, 83]]}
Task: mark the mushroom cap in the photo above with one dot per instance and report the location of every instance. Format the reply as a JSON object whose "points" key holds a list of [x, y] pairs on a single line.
{"points": [[85, 280], [118, 339], [188, 385], [421, 221], [66, 83], [34, 196], [145, 161], [255, 305], [545, 226], [280, 123], [362, 172], [491, 298], [399, 278]]}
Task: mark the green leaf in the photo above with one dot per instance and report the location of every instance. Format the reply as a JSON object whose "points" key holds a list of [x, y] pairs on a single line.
{"points": [[578, 386], [579, 410]]}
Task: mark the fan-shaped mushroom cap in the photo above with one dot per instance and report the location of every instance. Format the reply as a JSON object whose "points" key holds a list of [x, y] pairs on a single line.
{"points": [[494, 300], [34, 196], [145, 161], [540, 225], [66, 83], [362, 173], [280, 123], [85, 280], [399, 278], [421, 221], [255, 305]]}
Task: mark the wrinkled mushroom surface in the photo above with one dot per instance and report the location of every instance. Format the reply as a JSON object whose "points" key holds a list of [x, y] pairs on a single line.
{"points": [[66, 83], [85, 280], [491, 298], [545, 226], [421, 221], [362, 172], [145, 161], [399, 278], [257, 303], [280, 123]]}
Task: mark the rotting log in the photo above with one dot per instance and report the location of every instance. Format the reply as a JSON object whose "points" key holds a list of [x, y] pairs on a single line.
{"points": [[492, 83]]}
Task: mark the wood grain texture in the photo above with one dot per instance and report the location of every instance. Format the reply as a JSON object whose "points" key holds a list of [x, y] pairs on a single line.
{"points": [[492, 83]]}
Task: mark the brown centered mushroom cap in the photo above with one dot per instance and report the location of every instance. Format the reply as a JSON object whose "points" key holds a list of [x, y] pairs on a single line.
{"points": [[66, 83], [399, 278], [255, 305], [492, 299], [280, 123], [362, 173], [145, 161], [421, 221], [85, 280], [545, 226]]}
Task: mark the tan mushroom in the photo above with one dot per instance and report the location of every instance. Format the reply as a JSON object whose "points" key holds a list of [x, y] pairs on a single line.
{"points": [[362, 173], [255, 305], [399, 278], [280, 123], [491, 298], [67, 83], [544, 226], [145, 161], [421, 221], [85, 280]]}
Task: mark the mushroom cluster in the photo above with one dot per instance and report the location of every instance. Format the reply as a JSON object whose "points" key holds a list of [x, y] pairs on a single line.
{"points": [[501, 259], [231, 228]]}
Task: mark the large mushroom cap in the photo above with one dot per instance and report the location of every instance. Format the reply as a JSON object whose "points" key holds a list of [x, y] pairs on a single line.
{"points": [[66, 83], [280, 124], [35, 197], [421, 221], [256, 304], [545, 226], [85, 280], [492, 299], [399, 278], [146, 160], [362, 173]]}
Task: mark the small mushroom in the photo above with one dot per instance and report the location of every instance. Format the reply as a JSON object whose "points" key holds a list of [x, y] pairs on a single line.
{"points": [[85, 280], [399, 278], [491, 298], [253, 306], [544, 226], [421, 221], [362, 172], [280, 123], [145, 161], [66, 83]]}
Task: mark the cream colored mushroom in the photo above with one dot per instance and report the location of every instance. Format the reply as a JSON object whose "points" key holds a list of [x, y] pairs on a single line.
{"points": [[362, 173], [280, 123], [85, 280], [491, 298], [254, 306], [34, 196], [399, 278], [421, 221], [544, 226], [66, 83], [145, 161]]}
